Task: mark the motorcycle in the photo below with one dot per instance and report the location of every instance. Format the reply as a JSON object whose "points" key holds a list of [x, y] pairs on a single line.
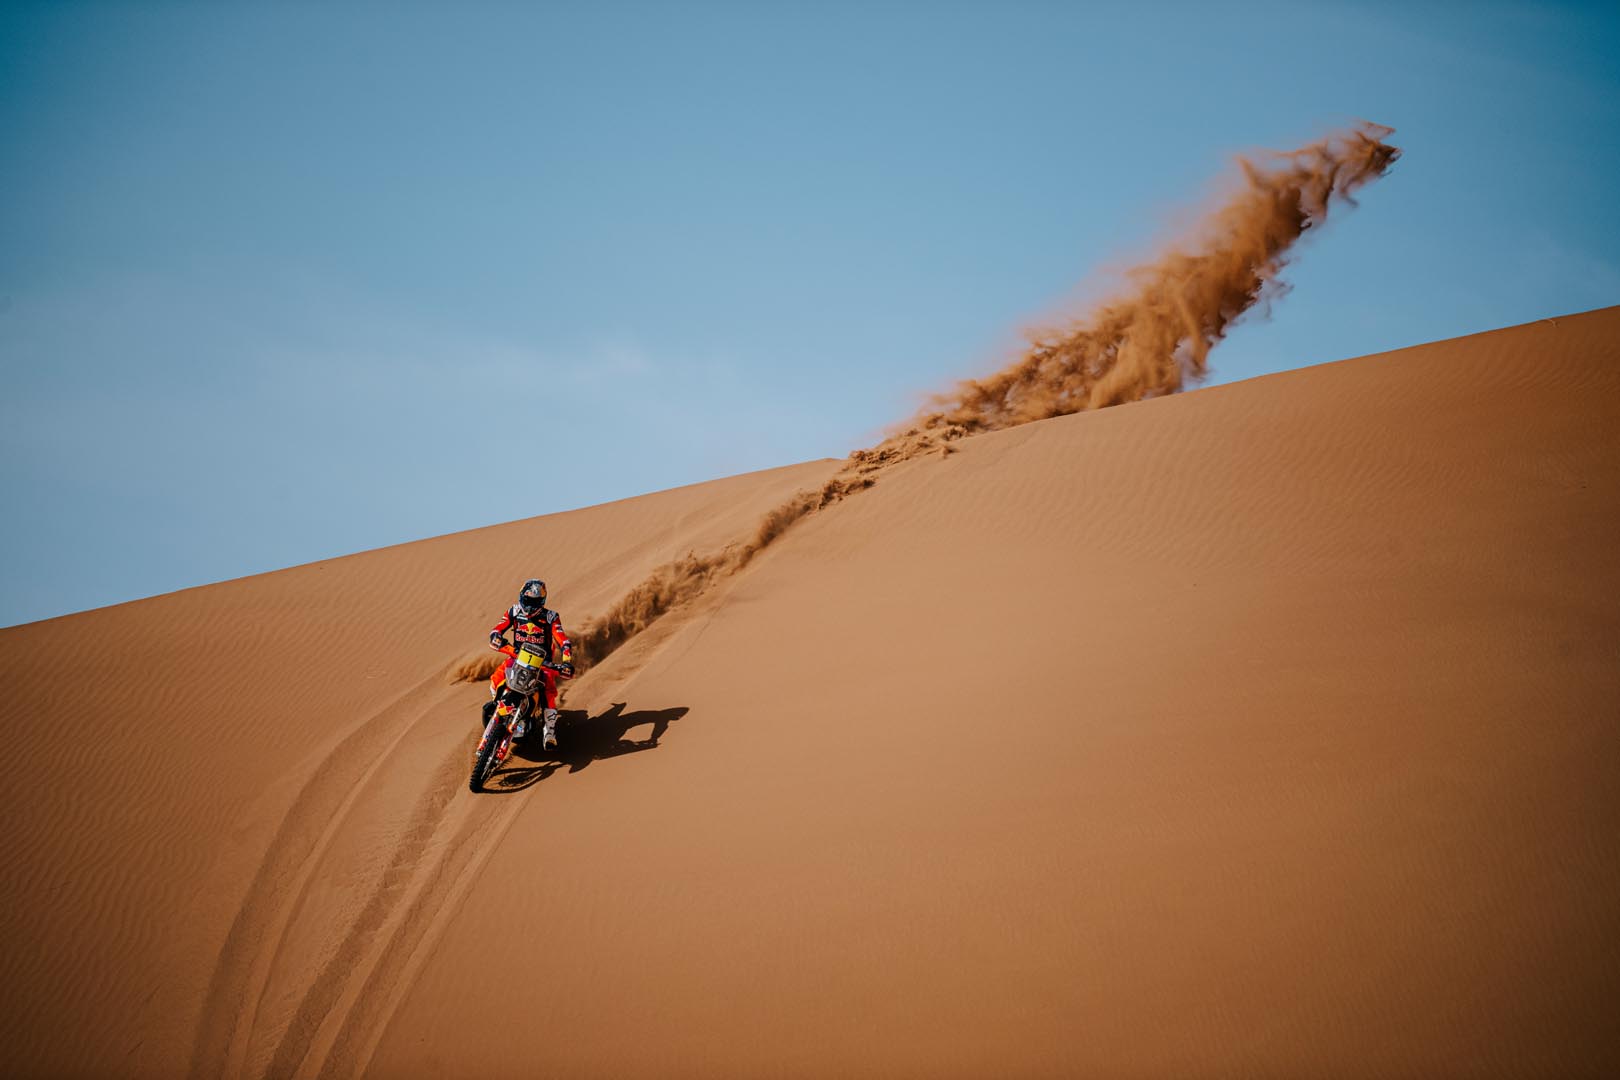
{"points": [[525, 679]]}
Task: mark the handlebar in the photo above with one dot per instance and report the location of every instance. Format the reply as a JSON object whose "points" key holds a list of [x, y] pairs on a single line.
{"points": [[561, 669]]}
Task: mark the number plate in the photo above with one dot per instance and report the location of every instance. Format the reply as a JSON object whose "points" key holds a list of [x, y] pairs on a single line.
{"points": [[529, 659]]}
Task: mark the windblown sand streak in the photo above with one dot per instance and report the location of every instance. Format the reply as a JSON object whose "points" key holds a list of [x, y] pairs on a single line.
{"points": [[1248, 726], [682, 580], [1152, 340], [1156, 338], [1263, 720]]}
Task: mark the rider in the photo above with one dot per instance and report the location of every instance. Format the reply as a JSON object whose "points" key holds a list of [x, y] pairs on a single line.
{"points": [[537, 626]]}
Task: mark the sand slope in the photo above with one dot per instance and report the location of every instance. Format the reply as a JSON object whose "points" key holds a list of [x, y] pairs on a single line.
{"points": [[173, 808], [1269, 729]]}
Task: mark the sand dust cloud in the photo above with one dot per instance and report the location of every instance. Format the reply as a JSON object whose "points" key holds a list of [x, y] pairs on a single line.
{"points": [[1153, 338]]}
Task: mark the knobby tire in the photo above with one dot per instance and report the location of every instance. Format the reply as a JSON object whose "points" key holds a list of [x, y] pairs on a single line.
{"points": [[484, 759]]}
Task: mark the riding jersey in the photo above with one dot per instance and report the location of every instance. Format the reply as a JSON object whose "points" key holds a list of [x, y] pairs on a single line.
{"points": [[542, 633]]}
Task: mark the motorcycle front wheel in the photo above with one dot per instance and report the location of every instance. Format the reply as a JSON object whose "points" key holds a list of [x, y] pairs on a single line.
{"points": [[496, 735]]}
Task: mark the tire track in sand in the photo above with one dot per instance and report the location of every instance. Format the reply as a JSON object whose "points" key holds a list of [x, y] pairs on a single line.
{"points": [[329, 996], [357, 1028], [444, 838], [381, 982], [347, 1004], [308, 830]]}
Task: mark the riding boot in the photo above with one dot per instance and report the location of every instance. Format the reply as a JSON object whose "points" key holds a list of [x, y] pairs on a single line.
{"points": [[549, 732]]}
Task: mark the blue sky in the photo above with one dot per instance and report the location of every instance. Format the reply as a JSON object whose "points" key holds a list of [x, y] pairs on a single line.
{"points": [[284, 282]]}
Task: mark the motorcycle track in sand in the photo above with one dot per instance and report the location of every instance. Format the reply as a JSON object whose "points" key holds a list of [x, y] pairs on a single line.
{"points": [[354, 1029], [435, 846], [435, 842], [239, 1035]]}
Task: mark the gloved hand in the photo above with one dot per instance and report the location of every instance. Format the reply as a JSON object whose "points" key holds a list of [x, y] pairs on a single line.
{"points": [[565, 669], [496, 641]]}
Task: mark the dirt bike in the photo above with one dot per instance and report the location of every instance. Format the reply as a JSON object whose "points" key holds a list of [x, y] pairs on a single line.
{"points": [[516, 702]]}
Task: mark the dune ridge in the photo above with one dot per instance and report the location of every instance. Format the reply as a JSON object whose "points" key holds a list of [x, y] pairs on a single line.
{"points": [[1151, 341], [188, 809], [1281, 745], [677, 582]]}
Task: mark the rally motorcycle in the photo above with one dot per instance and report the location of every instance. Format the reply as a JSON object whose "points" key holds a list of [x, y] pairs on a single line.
{"points": [[517, 701]]}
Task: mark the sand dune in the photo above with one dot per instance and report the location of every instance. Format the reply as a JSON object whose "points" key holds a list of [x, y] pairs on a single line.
{"points": [[188, 784], [1266, 729]]}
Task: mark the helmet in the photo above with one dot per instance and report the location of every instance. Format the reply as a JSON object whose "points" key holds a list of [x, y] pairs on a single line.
{"points": [[532, 597]]}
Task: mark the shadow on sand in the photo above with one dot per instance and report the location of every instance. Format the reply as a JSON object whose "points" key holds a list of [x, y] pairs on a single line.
{"points": [[582, 739]]}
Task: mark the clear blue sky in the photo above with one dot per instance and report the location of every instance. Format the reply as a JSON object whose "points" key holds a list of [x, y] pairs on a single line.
{"points": [[284, 282]]}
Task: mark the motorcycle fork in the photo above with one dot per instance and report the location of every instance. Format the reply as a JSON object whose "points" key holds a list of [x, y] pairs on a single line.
{"points": [[502, 722]]}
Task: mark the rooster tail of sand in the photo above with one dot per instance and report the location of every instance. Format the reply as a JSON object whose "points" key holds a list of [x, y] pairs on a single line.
{"points": [[681, 580], [1153, 339]]}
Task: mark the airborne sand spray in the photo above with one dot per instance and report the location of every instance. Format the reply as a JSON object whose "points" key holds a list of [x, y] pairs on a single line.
{"points": [[684, 579], [1152, 339], [1156, 337]]}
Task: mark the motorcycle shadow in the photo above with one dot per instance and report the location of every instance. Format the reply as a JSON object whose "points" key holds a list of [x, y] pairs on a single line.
{"points": [[582, 739]]}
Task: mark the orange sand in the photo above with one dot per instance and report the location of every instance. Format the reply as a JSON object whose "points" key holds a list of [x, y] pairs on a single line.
{"points": [[1269, 729]]}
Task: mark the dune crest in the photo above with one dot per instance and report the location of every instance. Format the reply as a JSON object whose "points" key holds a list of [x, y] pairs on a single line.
{"points": [[1282, 744], [681, 580], [1151, 341]]}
